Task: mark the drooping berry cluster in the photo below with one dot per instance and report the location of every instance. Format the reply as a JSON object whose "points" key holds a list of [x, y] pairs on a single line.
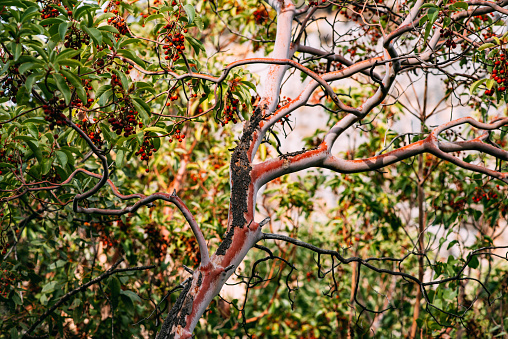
{"points": [[54, 114], [178, 135], [157, 243], [52, 176], [172, 96], [8, 157], [146, 150], [260, 15], [105, 234], [112, 7], [75, 38], [89, 100], [119, 23], [89, 126], [323, 68], [126, 121], [499, 73], [315, 3], [7, 279], [11, 84], [188, 247], [49, 11], [448, 35], [174, 41], [231, 109], [481, 194]]}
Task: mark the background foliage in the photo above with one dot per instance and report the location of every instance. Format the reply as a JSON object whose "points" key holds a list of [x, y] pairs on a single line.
{"points": [[80, 61]]}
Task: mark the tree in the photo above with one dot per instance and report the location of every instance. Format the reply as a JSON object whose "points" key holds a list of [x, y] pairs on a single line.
{"points": [[88, 102]]}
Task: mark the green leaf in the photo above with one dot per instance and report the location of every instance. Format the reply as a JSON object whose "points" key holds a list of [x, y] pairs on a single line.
{"points": [[474, 263], [155, 129], [485, 46], [62, 86], [115, 286], [103, 17], [35, 149], [123, 79], [145, 86], [62, 29], [450, 245], [429, 5], [133, 296], [76, 82], [62, 157], [131, 55], [196, 44], [191, 12], [475, 85], [94, 33], [119, 158], [462, 5], [31, 11], [102, 90], [49, 287], [143, 109], [153, 17], [129, 41], [27, 66], [108, 28], [490, 83], [70, 62], [67, 53], [50, 21], [82, 10], [16, 51]]}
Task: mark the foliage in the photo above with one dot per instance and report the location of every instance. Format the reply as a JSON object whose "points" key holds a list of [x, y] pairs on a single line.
{"points": [[140, 94]]}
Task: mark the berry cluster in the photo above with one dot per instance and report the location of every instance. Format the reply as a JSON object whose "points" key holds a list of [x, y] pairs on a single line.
{"points": [[179, 136], [100, 63], [112, 7], [499, 73], [482, 17], [173, 95], [75, 38], [196, 176], [459, 204], [482, 195], [88, 87], [120, 24], [174, 41], [448, 35], [49, 11], [52, 176], [321, 68], [283, 101], [6, 281], [126, 121], [10, 84], [103, 228], [146, 150], [315, 3], [260, 15], [89, 126], [157, 243], [230, 109], [54, 113], [189, 248]]}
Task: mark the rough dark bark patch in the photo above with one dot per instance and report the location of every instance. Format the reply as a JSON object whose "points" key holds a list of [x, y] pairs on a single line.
{"points": [[173, 320], [292, 154], [200, 279], [240, 179], [226, 242], [186, 310]]}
